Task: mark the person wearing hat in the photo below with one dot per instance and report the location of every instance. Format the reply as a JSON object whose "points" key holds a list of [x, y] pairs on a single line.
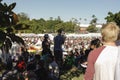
{"points": [[46, 45]]}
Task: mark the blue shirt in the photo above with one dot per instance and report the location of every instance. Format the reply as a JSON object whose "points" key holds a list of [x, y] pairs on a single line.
{"points": [[58, 41]]}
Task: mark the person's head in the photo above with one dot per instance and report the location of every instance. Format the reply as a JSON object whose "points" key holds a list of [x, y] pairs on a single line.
{"points": [[46, 36], [110, 32], [60, 31], [95, 43]]}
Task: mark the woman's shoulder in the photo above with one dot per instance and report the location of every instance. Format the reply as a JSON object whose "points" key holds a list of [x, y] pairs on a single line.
{"points": [[97, 51]]}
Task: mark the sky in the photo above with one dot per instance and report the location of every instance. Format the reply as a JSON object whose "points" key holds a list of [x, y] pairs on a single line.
{"points": [[66, 9]]}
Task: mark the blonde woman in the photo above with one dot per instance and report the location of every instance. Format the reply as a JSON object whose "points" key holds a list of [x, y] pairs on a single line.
{"points": [[101, 61]]}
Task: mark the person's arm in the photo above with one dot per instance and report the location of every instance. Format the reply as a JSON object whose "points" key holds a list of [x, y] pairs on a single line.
{"points": [[92, 57], [63, 39], [90, 67]]}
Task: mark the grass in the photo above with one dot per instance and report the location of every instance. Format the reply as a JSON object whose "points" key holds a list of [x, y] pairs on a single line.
{"points": [[73, 74]]}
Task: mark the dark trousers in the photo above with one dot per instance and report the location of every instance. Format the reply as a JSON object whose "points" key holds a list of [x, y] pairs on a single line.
{"points": [[59, 58]]}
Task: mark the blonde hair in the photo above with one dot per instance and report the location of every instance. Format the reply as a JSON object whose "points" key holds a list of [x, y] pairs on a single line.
{"points": [[110, 32]]}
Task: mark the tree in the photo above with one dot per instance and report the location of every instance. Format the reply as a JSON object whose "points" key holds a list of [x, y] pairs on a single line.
{"points": [[94, 20], [8, 21], [8, 17], [113, 17], [92, 27], [23, 17]]}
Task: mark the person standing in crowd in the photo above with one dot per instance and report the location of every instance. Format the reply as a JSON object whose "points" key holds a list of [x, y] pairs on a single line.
{"points": [[95, 43], [46, 52], [58, 51], [102, 60], [46, 46]]}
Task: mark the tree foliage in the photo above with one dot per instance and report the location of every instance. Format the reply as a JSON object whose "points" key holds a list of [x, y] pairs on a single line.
{"points": [[92, 27], [94, 20], [113, 17], [8, 17], [8, 21], [46, 26], [23, 17]]}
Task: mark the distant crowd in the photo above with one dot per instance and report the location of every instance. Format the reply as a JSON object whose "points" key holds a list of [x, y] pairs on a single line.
{"points": [[23, 65]]}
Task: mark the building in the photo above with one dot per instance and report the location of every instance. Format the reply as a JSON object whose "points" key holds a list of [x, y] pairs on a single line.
{"points": [[83, 27]]}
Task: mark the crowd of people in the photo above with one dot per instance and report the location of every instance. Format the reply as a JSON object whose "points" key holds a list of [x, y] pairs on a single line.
{"points": [[62, 53]]}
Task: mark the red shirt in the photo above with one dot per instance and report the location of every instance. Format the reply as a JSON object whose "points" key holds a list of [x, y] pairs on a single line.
{"points": [[92, 57]]}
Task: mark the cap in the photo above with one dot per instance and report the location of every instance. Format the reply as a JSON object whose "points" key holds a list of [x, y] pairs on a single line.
{"points": [[46, 35]]}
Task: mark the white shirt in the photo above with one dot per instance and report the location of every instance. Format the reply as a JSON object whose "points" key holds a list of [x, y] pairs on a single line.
{"points": [[105, 64]]}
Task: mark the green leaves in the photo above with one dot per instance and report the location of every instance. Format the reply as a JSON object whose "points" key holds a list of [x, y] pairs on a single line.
{"points": [[7, 8], [1, 7], [8, 17], [11, 6], [17, 39], [2, 37], [21, 26], [113, 17], [92, 28]]}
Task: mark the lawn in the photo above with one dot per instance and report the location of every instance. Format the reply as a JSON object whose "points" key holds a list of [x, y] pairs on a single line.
{"points": [[73, 74]]}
